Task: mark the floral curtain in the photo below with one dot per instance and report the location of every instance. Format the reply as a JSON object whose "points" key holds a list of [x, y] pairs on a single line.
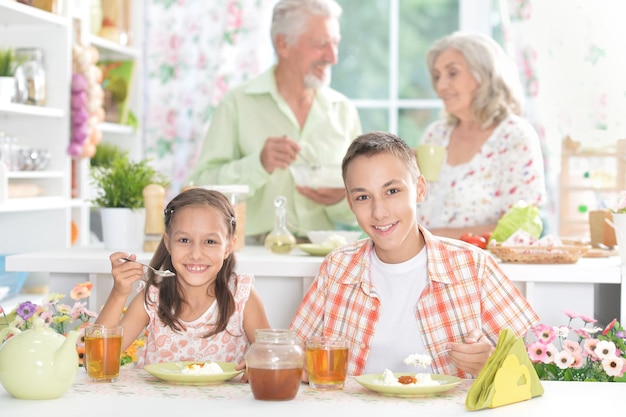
{"points": [[571, 57], [195, 50]]}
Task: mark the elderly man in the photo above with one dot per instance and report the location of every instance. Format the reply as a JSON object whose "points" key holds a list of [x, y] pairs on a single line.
{"points": [[286, 115]]}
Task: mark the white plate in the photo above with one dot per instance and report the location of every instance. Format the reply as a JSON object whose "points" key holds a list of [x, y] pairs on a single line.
{"points": [[171, 372], [446, 383]]}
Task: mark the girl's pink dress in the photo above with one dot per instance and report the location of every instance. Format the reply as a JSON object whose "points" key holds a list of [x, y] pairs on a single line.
{"points": [[163, 344]]}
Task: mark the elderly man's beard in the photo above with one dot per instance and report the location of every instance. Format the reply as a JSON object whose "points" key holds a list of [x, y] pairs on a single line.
{"points": [[312, 81]]}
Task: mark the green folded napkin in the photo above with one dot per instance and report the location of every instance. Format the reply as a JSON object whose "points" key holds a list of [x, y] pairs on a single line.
{"points": [[507, 377]]}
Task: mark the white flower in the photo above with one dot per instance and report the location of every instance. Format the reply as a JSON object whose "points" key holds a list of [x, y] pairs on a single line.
{"points": [[561, 331], [564, 359], [613, 366], [551, 352], [605, 349]]}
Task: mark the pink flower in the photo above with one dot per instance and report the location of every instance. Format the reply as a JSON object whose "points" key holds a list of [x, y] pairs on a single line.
{"points": [[545, 334], [572, 347], [82, 290], [571, 314], [537, 352], [590, 347], [587, 319], [578, 361]]}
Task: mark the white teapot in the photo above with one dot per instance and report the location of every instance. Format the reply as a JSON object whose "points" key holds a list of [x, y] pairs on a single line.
{"points": [[38, 363]]}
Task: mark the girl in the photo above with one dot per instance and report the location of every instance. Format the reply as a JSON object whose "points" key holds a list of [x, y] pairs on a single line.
{"points": [[207, 311]]}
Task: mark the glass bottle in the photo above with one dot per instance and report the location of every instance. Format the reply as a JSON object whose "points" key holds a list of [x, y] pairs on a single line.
{"points": [[274, 364], [30, 77], [280, 240]]}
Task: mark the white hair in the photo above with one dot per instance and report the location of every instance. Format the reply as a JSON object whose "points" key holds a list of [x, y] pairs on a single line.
{"points": [[290, 17], [499, 91]]}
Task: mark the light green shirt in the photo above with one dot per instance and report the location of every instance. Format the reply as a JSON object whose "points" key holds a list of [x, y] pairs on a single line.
{"points": [[231, 153]]}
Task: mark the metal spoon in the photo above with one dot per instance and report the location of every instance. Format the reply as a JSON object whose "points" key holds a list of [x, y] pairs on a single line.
{"points": [[166, 273]]}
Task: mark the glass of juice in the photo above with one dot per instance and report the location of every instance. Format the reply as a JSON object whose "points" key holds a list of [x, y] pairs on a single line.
{"points": [[326, 362], [103, 351]]}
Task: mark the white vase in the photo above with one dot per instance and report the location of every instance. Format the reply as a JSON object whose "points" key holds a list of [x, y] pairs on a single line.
{"points": [[619, 222], [123, 229], [7, 89]]}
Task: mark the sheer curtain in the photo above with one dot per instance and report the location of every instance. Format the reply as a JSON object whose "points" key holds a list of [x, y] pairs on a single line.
{"points": [[195, 50], [572, 60]]}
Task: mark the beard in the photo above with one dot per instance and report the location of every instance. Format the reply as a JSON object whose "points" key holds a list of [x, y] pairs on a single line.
{"points": [[312, 81]]}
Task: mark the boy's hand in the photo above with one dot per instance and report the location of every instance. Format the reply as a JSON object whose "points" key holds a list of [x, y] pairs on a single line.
{"points": [[472, 355]]}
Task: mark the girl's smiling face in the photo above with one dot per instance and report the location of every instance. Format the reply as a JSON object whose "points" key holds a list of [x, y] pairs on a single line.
{"points": [[383, 195], [198, 243]]}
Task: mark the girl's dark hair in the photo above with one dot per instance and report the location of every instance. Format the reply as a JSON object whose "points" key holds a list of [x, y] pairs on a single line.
{"points": [[171, 296]]}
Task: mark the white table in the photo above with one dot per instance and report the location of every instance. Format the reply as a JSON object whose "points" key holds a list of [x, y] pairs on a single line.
{"points": [[138, 393], [592, 286]]}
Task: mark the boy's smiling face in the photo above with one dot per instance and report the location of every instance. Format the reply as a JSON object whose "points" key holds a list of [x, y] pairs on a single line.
{"points": [[383, 195]]}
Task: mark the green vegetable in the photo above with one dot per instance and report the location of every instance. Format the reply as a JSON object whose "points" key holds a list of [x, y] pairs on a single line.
{"points": [[520, 216]]}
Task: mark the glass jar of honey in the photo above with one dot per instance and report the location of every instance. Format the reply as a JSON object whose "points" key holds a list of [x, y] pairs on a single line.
{"points": [[274, 364]]}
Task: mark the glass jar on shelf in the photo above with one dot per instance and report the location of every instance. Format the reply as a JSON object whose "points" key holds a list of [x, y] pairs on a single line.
{"points": [[30, 77]]}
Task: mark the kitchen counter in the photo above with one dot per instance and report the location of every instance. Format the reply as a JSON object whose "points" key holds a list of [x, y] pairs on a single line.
{"points": [[592, 286], [137, 392]]}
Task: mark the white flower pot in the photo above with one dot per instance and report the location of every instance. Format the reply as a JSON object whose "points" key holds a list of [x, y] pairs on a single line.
{"points": [[7, 89], [123, 229]]}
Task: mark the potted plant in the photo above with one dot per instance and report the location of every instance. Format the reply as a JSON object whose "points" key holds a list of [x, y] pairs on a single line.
{"points": [[119, 195], [7, 69]]}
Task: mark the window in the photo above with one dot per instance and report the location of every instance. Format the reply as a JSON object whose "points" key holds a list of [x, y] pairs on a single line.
{"points": [[381, 58]]}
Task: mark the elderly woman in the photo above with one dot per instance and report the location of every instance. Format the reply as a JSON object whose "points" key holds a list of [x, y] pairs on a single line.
{"points": [[493, 155]]}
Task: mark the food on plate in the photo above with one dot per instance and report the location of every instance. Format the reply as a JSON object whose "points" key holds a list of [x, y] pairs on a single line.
{"points": [[202, 368], [419, 379], [521, 216], [334, 241], [407, 379]]}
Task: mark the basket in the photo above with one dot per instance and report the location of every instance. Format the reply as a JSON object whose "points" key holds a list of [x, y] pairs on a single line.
{"points": [[14, 281], [567, 254]]}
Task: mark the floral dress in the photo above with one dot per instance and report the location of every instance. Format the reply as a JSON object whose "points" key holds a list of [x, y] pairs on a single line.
{"points": [[508, 168], [163, 344]]}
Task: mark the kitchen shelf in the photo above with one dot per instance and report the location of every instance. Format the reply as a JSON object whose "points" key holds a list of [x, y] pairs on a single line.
{"points": [[17, 14], [28, 110], [117, 129], [111, 50], [591, 178], [32, 204]]}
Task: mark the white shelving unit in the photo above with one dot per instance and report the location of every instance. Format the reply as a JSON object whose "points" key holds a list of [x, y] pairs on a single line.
{"points": [[589, 178], [43, 220]]}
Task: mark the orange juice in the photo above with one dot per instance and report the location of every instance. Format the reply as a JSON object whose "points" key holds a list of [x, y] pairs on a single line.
{"points": [[102, 356], [327, 366]]}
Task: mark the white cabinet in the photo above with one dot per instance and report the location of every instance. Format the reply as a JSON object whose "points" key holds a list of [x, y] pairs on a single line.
{"points": [[42, 220]]}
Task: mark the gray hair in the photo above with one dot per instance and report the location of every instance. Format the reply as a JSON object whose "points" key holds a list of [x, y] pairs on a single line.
{"points": [[290, 16], [499, 91]]}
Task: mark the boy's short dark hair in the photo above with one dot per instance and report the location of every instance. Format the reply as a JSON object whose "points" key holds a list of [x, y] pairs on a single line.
{"points": [[372, 143]]}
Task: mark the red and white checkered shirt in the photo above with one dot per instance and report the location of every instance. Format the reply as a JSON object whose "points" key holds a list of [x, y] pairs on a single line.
{"points": [[466, 290]]}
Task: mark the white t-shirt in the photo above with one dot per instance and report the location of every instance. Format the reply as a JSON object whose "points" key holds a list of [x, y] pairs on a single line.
{"points": [[398, 286]]}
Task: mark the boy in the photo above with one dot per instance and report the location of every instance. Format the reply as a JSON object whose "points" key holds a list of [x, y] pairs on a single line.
{"points": [[403, 290]]}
